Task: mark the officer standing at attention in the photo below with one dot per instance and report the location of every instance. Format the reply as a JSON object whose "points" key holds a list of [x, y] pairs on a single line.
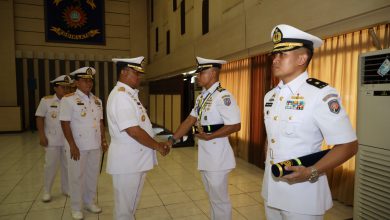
{"points": [[299, 113], [51, 136], [132, 148], [215, 116], [81, 118]]}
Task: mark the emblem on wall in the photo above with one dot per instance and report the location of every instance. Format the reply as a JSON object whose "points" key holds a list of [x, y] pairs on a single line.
{"points": [[76, 21]]}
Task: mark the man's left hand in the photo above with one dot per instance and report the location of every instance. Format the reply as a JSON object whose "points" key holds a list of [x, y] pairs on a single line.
{"points": [[104, 145], [299, 174]]}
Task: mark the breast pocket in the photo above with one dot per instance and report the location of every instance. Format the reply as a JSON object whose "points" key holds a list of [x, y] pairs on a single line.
{"points": [[290, 126]]}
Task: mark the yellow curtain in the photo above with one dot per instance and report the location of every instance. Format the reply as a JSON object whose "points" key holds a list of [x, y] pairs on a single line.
{"points": [[336, 63], [235, 77]]}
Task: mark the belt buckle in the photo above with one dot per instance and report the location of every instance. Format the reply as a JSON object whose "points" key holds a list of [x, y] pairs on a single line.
{"points": [[199, 127]]}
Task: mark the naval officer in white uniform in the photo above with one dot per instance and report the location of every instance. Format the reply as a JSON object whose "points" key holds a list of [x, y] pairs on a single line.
{"points": [[299, 113], [132, 150], [214, 117], [81, 118], [51, 136]]}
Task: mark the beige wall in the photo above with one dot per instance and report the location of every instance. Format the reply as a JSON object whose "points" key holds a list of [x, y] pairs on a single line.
{"points": [[23, 36], [7, 55], [120, 17], [241, 28]]}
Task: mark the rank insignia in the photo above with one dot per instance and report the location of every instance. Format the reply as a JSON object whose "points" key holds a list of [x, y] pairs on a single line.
{"points": [[227, 101], [143, 118], [334, 106], [295, 104], [297, 97], [97, 102]]}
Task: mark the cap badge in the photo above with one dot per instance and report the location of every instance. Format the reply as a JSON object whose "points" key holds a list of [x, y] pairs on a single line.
{"points": [[277, 36], [89, 71], [66, 79]]}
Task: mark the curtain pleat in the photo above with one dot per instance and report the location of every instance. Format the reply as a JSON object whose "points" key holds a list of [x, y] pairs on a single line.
{"points": [[235, 77]]}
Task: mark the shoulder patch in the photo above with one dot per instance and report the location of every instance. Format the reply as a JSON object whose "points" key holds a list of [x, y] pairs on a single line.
{"points": [[220, 89], [316, 83], [48, 97], [121, 89], [69, 94]]}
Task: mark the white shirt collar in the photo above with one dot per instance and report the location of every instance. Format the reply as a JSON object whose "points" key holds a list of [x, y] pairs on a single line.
{"points": [[294, 85], [128, 88], [212, 88], [56, 97], [83, 95]]}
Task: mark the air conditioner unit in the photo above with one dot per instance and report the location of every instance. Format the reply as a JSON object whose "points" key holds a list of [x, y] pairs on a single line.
{"points": [[372, 178]]}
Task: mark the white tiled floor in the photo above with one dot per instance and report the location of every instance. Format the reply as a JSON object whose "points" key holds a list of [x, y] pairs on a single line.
{"points": [[173, 190]]}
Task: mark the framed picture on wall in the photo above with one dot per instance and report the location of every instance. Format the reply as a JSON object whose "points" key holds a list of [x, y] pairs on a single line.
{"points": [[76, 21]]}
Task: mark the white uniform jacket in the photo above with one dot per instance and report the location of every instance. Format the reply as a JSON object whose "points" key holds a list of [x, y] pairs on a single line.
{"points": [[298, 116], [49, 108], [220, 108], [125, 154], [84, 114]]}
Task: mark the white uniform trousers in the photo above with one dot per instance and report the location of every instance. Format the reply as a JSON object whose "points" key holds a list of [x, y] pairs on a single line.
{"points": [[278, 214], [216, 186], [127, 192], [54, 157], [83, 175]]}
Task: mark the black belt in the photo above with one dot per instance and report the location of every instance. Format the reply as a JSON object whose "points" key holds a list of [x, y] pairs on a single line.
{"points": [[207, 128]]}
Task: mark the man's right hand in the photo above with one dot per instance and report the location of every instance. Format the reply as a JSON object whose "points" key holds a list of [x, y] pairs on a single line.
{"points": [[43, 141], [74, 152], [163, 148]]}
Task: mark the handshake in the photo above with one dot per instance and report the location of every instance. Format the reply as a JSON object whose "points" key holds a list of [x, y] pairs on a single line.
{"points": [[164, 147]]}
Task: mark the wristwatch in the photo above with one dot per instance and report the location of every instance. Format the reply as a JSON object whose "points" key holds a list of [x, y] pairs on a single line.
{"points": [[314, 175], [174, 141]]}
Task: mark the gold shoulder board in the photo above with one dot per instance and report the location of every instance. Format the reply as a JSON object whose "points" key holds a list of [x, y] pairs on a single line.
{"points": [[48, 97], [70, 94]]}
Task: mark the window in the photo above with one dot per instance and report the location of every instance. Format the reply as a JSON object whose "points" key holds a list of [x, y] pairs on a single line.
{"points": [[183, 17], [174, 4], [168, 42], [156, 39], [151, 10], [205, 16]]}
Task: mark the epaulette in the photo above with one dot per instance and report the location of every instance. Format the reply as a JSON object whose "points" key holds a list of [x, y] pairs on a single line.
{"points": [[69, 94], [48, 97], [121, 89], [220, 89], [316, 83]]}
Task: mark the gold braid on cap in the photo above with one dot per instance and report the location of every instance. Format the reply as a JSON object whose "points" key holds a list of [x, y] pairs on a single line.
{"points": [[205, 66], [288, 44], [139, 69]]}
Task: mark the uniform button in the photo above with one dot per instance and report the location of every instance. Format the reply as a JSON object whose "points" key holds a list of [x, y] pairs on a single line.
{"points": [[273, 141], [275, 117], [290, 118], [281, 98]]}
